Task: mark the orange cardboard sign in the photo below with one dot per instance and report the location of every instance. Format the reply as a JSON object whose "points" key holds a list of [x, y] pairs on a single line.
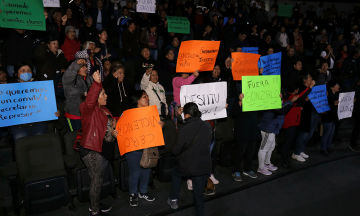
{"points": [[139, 128], [245, 64], [197, 55]]}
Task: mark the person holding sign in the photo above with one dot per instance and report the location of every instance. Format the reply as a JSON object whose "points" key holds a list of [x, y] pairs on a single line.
{"points": [[97, 141], [139, 176], [292, 119], [270, 125], [179, 80], [330, 118], [192, 153], [308, 121], [23, 73], [246, 133]]}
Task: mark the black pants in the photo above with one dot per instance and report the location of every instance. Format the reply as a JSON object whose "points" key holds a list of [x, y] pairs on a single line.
{"points": [[290, 135], [356, 130], [243, 150], [199, 184]]}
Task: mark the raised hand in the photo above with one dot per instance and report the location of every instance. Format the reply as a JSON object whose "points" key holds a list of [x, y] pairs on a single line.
{"points": [[96, 77], [81, 62], [196, 73]]}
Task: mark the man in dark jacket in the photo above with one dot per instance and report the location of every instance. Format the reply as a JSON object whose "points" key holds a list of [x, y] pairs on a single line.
{"points": [[192, 151], [77, 12], [239, 41], [144, 63], [88, 32], [130, 42], [19, 47], [99, 16]]}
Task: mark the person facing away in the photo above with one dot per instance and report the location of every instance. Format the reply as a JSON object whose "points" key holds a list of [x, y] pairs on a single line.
{"points": [[192, 155]]}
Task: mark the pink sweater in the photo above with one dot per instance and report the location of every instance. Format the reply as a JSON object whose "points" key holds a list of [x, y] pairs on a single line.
{"points": [[177, 83]]}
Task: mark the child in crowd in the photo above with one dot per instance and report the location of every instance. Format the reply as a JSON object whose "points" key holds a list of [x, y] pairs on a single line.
{"points": [[271, 125]]}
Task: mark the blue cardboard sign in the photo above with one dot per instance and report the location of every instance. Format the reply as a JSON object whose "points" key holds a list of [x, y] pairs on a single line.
{"points": [[271, 64], [254, 50], [319, 99], [28, 102], [226, 19]]}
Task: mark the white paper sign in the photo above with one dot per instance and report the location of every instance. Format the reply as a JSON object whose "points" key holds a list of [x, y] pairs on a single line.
{"points": [[51, 3], [146, 6], [346, 105], [210, 98]]}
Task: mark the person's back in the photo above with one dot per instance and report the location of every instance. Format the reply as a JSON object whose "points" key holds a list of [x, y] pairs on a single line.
{"points": [[192, 152]]}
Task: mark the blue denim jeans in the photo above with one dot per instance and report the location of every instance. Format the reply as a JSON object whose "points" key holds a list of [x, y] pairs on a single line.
{"points": [[36, 129], [303, 137], [160, 42], [328, 133], [154, 54], [137, 173]]}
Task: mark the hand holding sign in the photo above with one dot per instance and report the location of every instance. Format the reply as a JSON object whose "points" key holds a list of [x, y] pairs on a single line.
{"points": [[139, 128], [261, 93], [197, 55]]}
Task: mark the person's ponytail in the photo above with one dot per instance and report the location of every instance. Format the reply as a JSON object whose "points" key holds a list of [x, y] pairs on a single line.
{"points": [[192, 110]]}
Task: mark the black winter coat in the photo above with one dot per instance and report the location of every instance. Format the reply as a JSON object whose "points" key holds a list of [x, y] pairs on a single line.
{"points": [[194, 160], [19, 47], [118, 95], [246, 124]]}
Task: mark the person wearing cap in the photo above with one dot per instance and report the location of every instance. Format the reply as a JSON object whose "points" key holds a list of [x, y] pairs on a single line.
{"points": [[71, 44], [88, 32]]}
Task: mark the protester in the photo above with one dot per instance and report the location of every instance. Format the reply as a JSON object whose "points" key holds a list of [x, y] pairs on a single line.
{"points": [[130, 42], [88, 32], [106, 49], [95, 117], [118, 89], [330, 118], [93, 63], [75, 82], [270, 125], [168, 70], [192, 151], [148, 38], [71, 44], [23, 74], [179, 80], [155, 91], [246, 133], [139, 176], [143, 64]]}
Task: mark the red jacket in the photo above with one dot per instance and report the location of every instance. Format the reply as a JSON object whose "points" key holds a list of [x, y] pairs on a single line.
{"points": [[93, 120], [70, 47], [292, 118]]}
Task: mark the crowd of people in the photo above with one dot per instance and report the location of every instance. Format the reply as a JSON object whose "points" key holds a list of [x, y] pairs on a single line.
{"points": [[105, 58]]}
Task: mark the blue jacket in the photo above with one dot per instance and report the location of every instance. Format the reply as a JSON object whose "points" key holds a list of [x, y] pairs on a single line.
{"points": [[122, 23], [273, 120]]}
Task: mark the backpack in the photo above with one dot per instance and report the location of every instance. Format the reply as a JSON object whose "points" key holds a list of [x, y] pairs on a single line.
{"points": [[149, 157]]}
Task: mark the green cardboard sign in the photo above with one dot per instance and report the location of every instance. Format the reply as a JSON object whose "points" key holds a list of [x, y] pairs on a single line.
{"points": [[22, 14], [178, 24], [261, 92], [285, 10]]}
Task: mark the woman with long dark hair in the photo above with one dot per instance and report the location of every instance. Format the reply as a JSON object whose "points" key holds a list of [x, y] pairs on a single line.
{"points": [[98, 130]]}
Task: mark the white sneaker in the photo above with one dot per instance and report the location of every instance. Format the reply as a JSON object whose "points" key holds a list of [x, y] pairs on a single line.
{"points": [[304, 155], [298, 158], [189, 183], [213, 179]]}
